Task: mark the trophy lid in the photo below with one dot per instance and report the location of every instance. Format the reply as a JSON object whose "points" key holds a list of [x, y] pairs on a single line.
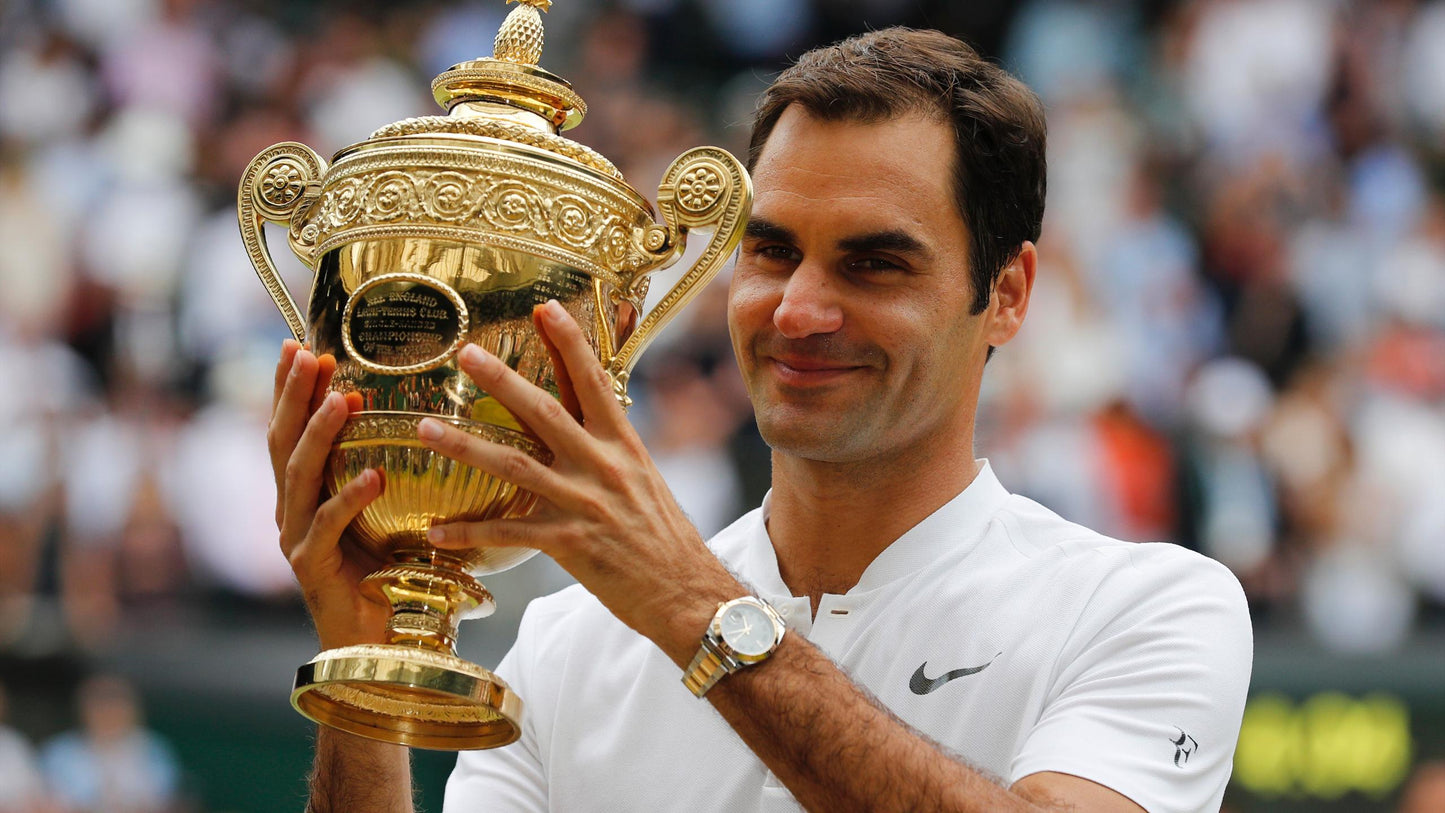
{"points": [[508, 96]]}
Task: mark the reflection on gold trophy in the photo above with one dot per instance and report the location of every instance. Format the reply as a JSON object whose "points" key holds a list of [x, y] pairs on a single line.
{"points": [[434, 232]]}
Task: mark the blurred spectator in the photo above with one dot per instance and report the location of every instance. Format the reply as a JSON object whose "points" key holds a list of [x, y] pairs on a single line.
{"points": [[1232, 491], [759, 30], [1093, 152], [349, 86], [1412, 286], [1423, 69], [458, 33], [1136, 470], [167, 66], [46, 66], [1257, 73], [30, 493], [220, 488], [104, 467], [112, 764], [99, 22], [1333, 268], [695, 404], [1065, 49], [1354, 600], [21, 787], [37, 266], [1148, 286]]}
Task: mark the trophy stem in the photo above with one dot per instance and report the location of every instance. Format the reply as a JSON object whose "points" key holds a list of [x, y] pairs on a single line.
{"points": [[413, 689], [429, 594]]}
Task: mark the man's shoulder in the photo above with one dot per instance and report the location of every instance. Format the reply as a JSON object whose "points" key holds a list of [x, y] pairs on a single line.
{"points": [[732, 543], [570, 605], [1075, 551], [1154, 622]]}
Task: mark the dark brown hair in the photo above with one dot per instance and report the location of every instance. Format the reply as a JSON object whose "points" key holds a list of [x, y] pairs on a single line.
{"points": [[998, 125]]}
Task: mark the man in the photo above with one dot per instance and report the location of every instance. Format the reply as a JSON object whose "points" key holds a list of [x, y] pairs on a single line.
{"points": [[948, 646]]}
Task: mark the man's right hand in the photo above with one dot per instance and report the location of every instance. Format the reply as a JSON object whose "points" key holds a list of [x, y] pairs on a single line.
{"points": [[305, 420]]}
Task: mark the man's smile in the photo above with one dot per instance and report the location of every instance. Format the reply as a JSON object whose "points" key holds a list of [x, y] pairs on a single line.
{"points": [[814, 360], [810, 371], [813, 364]]}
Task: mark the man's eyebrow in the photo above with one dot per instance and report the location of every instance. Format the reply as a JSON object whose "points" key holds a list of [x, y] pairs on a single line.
{"points": [[760, 229], [899, 242]]}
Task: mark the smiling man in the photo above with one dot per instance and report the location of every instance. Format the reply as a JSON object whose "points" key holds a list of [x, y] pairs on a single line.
{"points": [[891, 630]]}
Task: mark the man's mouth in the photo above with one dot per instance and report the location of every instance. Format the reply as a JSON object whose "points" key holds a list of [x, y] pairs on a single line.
{"points": [[804, 370], [812, 364], [814, 361]]}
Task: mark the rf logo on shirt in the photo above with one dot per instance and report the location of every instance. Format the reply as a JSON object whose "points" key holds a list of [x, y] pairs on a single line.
{"points": [[1184, 747]]}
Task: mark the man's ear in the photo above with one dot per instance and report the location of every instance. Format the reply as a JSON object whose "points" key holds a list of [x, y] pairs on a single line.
{"points": [[1009, 300]]}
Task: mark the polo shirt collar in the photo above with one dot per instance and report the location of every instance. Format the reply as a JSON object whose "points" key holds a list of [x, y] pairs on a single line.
{"points": [[951, 531]]}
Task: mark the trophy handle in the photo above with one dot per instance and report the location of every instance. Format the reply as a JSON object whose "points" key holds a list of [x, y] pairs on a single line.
{"points": [[280, 183], [704, 187]]}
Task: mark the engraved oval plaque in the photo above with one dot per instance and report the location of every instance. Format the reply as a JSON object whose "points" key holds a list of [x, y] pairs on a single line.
{"points": [[402, 324]]}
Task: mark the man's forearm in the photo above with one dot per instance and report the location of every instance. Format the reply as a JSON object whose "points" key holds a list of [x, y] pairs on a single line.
{"points": [[835, 748], [357, 775]]}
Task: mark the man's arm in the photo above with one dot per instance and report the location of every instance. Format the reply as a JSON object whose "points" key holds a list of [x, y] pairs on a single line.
{"points": [[356, 774], [606, 516], [351, 774]]}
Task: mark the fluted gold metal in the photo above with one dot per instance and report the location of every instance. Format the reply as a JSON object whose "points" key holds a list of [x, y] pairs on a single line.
{"points": [[435, 232]]}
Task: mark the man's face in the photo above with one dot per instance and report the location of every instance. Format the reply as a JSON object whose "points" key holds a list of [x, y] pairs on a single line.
{"points": [[849, 304]]}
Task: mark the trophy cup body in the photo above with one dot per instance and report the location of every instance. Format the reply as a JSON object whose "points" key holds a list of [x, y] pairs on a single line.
{"points": [[433, 233]]}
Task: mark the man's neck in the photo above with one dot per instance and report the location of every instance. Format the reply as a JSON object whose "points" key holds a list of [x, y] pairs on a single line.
{"points": [[829, 521]]}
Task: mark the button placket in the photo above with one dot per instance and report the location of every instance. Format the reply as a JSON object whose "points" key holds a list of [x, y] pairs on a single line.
{"points": [[834, 624]]}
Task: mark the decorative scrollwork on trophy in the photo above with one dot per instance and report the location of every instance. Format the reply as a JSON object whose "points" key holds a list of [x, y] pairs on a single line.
{"points": [[279, 184], [704, 188]]}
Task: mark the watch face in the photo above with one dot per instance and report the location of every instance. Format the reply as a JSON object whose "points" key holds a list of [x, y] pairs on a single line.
{"points": [[747, 629]]}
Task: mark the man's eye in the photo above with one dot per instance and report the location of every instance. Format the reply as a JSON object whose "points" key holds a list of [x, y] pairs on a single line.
{"points": [[776, 253], [873, 265]]}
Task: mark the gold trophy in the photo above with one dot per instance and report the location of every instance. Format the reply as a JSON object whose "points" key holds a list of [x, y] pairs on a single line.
{"points": [[434, 232]]}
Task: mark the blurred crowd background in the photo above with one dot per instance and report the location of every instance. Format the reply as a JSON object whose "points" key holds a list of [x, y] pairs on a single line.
{"points": [[1237, 341]]}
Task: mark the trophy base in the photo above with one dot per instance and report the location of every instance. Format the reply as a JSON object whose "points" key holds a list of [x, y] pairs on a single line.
{"points": [[408, 695]]}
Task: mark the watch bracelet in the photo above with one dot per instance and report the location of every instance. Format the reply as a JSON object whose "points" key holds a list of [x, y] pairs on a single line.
{"points": [[708, 667]]}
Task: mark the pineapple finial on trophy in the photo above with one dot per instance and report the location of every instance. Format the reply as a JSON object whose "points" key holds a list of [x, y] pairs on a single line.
{"points": [[520, 38], [510, 84]]}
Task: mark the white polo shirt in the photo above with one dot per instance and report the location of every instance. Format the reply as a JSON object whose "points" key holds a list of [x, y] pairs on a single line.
{"points": [[1019, 641]]}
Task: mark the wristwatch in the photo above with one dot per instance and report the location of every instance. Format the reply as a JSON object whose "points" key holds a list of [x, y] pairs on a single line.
{"points": [[745, 631]]}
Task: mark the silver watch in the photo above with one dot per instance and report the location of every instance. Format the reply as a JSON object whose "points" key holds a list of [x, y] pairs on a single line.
{"points": [[743, 632]]}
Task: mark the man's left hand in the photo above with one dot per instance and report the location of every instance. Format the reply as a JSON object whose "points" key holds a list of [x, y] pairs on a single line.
{"points": [[603, 512]]}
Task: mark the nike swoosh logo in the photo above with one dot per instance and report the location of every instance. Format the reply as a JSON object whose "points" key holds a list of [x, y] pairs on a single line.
{"points": [[922, 684]]}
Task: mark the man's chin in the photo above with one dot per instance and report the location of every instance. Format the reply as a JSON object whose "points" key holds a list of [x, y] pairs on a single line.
{"points": [[814, 439]]}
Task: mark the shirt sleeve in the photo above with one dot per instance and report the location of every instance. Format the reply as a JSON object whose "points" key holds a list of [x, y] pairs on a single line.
{"points": [[1150, 691], [510, 778]]}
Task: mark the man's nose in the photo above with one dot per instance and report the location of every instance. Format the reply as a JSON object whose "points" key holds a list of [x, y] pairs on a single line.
{"points": [[810, 303]]}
